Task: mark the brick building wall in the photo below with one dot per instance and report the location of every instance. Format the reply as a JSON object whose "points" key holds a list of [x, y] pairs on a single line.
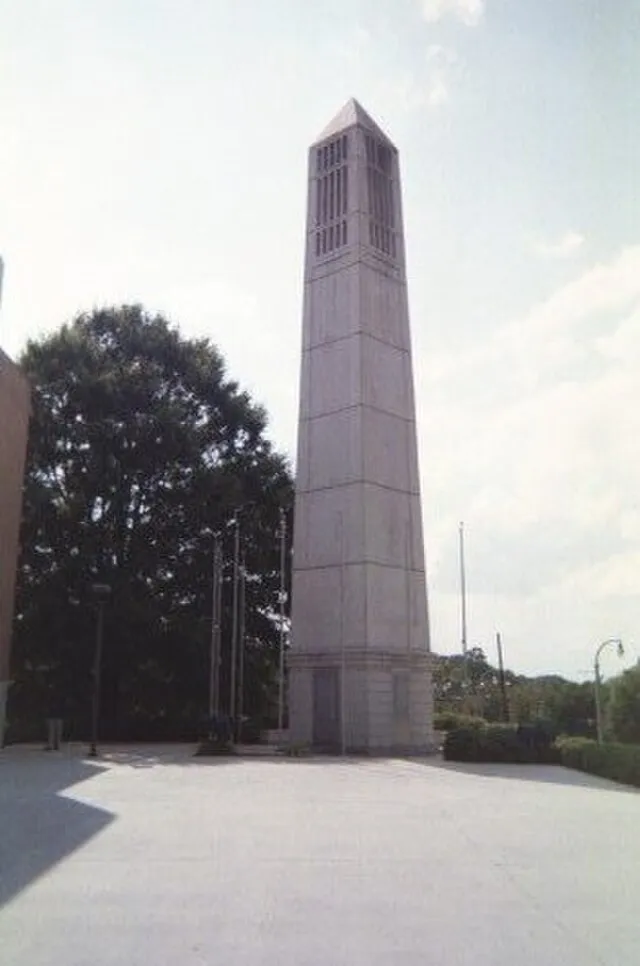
{"points": [[14, 424]]}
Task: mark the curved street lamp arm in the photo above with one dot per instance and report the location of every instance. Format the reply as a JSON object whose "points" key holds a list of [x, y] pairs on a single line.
{"points": [[596, 666]]}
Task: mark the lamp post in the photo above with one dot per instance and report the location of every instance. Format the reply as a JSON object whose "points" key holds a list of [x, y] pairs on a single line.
{"points": [[596, 668], [101, 594]]}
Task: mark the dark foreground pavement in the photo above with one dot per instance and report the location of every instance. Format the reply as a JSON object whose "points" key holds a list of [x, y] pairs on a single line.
{"points": [[152, 857]]}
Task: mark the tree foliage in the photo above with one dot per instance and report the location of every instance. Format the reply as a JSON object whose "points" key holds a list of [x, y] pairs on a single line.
{"points": [[624, 706], [471, 685], [140, 450]]}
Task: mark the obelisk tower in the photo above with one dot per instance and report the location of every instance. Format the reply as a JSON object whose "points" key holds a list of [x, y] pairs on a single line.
{"points": [[359, 663]]}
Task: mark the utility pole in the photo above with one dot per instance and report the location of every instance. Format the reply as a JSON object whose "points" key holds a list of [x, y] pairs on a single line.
{"points": [[282, 532], [503, 683]]}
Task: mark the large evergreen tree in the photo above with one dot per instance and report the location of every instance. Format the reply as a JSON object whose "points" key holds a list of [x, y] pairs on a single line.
{"points": [[140, 450]]}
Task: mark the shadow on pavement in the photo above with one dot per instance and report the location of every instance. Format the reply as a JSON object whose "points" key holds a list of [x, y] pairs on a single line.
{"points": [[40, 827], [552, 774], [150, 756]]}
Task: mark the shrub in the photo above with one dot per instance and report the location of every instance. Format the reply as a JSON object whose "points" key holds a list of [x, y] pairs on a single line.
{"points": [[460, 744], [618, 762], [500, 743], [448, 720]]}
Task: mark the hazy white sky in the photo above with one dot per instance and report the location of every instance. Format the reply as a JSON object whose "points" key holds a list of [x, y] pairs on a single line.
{"points": [[155, 151]]}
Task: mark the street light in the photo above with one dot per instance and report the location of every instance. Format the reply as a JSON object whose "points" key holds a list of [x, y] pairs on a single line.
{"points": [[101, 594], [596, 668]]}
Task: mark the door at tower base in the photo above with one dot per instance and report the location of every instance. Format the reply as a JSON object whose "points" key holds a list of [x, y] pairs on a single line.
{"points": [[327, 720], [386, 706], [359, 663]]}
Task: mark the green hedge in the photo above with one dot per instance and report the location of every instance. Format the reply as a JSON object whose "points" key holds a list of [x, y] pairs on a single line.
{"points": [[532, 744], [501, 743], [620, 763], [448, 720]]}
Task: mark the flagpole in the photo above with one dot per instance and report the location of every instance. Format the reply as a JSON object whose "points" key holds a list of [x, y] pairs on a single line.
{"points": [[213, 661], [234, 625], [283, 561], [463, 592], [242, 641]]}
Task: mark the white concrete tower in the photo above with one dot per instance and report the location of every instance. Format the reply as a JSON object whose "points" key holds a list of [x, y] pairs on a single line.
{"points": [[359, 664]]}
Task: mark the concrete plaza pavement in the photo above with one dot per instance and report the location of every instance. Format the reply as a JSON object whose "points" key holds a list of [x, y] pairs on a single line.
{"points": [[153, 857]]}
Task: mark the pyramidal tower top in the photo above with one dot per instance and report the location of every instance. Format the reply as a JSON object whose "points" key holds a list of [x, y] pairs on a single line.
{"points": [[351, 115], [354, 205]]}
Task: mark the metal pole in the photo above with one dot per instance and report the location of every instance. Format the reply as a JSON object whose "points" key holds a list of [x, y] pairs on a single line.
{"points": [[212, 650], [599, 728], [283, 558], [463, 592], [242, 621], [503, 683], [97, 668], [218, 629], [234, 626], [463, 624], [596, 668]]}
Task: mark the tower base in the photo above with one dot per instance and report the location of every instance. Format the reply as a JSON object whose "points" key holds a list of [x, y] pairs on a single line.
{"points": [[362, 702]]}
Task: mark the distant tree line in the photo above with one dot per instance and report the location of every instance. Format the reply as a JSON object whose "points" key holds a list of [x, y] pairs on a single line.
{"points": [[472, 686]]}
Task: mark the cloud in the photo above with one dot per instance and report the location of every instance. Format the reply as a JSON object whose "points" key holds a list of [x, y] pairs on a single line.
{"points": [[440, 62], [468, 12], [432, 89], [564, 247], [356, 47], [396, 87], [531, 438]]}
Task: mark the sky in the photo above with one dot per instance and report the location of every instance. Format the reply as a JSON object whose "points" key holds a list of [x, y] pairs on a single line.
{"points": [[154, 151]]}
